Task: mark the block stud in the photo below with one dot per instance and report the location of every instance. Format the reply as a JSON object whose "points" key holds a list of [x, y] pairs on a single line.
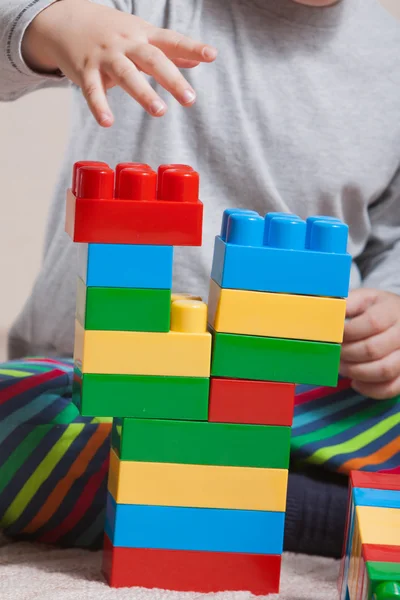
{"points": [[161, 171], [95, 182], [78, 165], [136, 184], [178, 185], [233, 211], [311, 220], [268, 218], [329, 236], [287, 232], [189, 316], [388, 590], [245, 229]]}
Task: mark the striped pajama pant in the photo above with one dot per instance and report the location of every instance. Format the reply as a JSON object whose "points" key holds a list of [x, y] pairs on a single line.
{"points": [[54, 463]]}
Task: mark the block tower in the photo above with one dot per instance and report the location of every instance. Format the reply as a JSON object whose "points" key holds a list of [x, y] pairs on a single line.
{"points": [[276, 311], [197, 483], [371, 563]]}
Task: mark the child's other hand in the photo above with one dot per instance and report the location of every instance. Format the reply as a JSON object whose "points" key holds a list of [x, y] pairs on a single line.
{"points": [[371, 346], [98, 48]]}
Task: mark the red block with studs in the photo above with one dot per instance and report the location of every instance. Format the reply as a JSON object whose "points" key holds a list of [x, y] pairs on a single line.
{"points": [[251, 402], [133, 205], [189, 571]]}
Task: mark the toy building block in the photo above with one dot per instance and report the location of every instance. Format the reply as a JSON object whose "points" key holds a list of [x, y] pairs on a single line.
{"points": [[130, 212], [379, 553], [142, 396], [380, 581], [374, 481], [122, 309], [252, 402], [125, 266], [379, 525], [275, 359], [185, 571], [282, 253], [276, 315], [197, 486], [150, 353], [372, 535], [199, 443], [202, 529]]}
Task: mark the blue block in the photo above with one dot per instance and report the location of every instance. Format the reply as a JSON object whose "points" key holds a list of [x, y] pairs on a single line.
{"points": [[373, 497], [202, 529], [282, 253], [126, 266]]}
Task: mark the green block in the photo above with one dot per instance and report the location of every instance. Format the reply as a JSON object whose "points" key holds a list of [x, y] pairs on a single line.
{"points": [[379, 572], [142, 396], [122, 309], [275, 359], [191, 442]]}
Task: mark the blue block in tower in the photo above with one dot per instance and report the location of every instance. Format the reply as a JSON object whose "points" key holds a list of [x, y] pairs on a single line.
{"points": [[126, 266], [282, 253]]}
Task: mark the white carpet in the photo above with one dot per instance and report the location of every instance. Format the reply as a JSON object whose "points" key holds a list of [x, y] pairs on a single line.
{"points": [[37, 572]]}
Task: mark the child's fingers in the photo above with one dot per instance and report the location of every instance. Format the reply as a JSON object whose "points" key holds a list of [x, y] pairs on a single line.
{"points": [[95, 95], [153, 61], [182, 63], [379, 371], [176, 45], [373, 348], [124, 73], [378, 391]]}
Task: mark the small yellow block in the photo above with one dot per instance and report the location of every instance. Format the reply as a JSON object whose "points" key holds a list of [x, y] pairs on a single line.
{"points": [[185, 351], [197, 486], [379, 525], [276, 315]]}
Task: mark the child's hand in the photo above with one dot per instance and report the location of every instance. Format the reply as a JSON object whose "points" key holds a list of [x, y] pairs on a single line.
{"points": [[98, 47], [371, 347]]}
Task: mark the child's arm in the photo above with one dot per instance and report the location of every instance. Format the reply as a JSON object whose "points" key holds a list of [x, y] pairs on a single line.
{"points": [[98, 47], [371, 349]]}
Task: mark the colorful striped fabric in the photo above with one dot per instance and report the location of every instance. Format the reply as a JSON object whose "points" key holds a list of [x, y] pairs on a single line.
{"points": [[54, 463], [343, 431]]}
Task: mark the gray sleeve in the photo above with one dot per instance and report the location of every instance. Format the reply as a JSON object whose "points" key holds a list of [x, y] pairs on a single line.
{"points": [[380, 262], [16, 78]]}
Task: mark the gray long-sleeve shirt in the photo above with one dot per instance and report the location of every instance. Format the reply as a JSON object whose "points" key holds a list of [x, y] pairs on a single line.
{"points": [[300, 112]]}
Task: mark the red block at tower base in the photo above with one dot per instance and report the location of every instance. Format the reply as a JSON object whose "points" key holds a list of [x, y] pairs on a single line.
{"points": [[251, 402], [186, 571]]}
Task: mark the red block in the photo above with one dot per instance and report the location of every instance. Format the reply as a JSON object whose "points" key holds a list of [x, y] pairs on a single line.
{"points": [[123, 207], [251, 402], [374, 481], [187, 571], [374, 552]]}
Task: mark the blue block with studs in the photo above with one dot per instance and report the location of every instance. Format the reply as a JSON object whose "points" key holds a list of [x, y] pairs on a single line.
{"points": [[281, 253]]}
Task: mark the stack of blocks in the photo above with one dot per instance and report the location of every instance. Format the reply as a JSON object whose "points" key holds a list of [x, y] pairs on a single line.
{"points": [[276, 311], [198, 473], [371, 561]]}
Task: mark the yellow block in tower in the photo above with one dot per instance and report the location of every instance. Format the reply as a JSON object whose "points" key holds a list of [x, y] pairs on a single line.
{"points": [[276, 315], [185, 351], [197, 486], [379, 525]]}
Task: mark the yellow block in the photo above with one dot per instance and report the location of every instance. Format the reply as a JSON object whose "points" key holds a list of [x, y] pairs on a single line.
{"points": [[276, 315], [197, 486], [143, 353], [379, 525]]}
